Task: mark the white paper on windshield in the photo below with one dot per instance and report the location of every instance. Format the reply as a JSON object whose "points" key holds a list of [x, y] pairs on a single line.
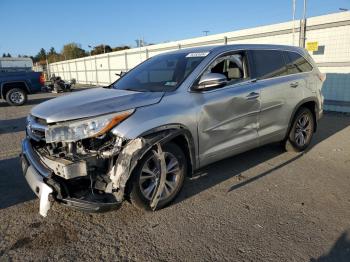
{"points": [[171, 83], [201, 54]]}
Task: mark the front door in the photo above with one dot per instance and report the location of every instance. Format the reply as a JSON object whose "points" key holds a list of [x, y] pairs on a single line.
{"points": [[227, 119]]}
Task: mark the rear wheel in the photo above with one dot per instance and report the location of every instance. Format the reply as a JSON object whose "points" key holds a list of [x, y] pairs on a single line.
{"points": [[147, 174], [301, 132], [16, 97]]}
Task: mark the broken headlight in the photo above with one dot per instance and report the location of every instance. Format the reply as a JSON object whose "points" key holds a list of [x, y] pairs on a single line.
{"points": [[77, 130]]}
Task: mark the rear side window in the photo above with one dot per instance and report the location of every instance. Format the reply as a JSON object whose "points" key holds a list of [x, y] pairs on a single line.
{"points": [[268, 63], [297, 63]]}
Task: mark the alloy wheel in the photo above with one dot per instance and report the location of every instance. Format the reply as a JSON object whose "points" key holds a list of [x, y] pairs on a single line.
{"points": [[303, 130], [150, 175]]}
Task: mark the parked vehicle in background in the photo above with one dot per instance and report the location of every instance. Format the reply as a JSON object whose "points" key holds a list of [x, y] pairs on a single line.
{"points": [[16, 63], [17, 80], [141, 136], [57, 85]]}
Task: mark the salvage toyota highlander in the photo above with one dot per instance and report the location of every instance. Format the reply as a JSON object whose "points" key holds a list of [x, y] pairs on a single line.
{"points": [[140, 137]]}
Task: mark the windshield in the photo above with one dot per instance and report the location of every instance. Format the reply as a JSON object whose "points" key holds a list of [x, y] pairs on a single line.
{"points": [[160, 73]]}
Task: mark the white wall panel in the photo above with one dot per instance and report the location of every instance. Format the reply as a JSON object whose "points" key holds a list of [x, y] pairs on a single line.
{"points": [[117, 62]]}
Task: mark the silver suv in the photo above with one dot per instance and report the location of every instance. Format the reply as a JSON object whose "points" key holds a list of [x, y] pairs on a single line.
{"points": [[138, 138]]}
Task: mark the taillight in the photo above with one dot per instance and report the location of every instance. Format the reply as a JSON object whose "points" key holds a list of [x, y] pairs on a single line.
{"points": [[42, 79], [321, 76]]}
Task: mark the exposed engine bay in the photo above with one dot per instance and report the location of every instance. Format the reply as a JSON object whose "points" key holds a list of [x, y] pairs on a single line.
{"points": [[86, 168]]}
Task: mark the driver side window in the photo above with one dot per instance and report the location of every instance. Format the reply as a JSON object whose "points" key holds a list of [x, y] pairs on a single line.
{"points": [[233, 67]]}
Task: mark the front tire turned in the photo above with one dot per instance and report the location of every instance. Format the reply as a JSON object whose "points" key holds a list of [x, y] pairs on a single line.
{"points": [[146, 175], [301, 131]]}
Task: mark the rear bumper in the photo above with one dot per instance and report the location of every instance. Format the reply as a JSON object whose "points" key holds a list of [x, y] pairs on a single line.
{"points": [[49, 189]]}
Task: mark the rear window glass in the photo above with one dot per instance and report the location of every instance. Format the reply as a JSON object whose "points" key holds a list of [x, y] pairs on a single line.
{"points": [[296, 63], [268, 63]]}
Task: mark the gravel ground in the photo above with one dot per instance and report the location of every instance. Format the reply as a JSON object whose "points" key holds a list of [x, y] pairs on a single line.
{"points": [[263, 205]]}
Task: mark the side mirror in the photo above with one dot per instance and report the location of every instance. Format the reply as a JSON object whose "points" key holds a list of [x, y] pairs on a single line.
{"points": [[211, 80]]}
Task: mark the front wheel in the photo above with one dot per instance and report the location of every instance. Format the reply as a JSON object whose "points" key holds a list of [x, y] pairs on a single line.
{"points": [[301, 131], [16, 97], [147, 174]]}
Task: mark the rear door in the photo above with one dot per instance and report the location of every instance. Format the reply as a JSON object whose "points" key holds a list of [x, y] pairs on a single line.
{"points": [[280, 93]]}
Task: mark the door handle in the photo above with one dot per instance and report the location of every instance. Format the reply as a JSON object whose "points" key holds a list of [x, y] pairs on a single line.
{"points": [[294, 84], [252, 95]]}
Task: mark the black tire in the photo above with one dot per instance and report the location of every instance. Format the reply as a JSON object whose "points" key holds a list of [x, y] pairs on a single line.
{"points": [[16, 97], [68, 88], [299, 136], [138, 198]]}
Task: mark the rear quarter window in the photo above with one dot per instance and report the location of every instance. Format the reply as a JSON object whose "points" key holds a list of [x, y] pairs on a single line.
{"points": [[268, 63], [296, 63]]}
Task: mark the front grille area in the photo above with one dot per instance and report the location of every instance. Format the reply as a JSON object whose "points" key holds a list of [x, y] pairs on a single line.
{"points": [[38, 133], [36, 128]]}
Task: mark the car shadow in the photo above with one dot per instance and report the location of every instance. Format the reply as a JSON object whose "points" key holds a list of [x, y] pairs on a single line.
{"points": [[223, 170], [340, 251], [37, 101], [13, 186], [12, 125]]}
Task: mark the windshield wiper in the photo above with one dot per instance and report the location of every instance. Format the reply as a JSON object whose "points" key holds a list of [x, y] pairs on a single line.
{"points": [[137, 90]]}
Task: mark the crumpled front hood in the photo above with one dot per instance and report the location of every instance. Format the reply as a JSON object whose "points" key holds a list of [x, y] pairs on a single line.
{"points": [[93, 102]]}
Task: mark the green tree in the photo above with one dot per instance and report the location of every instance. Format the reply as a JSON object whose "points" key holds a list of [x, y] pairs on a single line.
{"points": [[40, 57], [52, 51], [100, 49], [42, 54], [53, 56], [3, 55], [8, 55], [119, 48], [72, 51]]}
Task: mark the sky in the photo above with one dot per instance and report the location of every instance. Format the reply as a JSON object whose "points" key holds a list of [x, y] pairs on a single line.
{"points": [[28, 25]]}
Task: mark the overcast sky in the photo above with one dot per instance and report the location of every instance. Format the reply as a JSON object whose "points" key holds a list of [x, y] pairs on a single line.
{"points": [[28, 25]]}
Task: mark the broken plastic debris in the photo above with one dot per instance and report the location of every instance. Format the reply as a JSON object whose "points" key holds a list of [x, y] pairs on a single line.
{"points": [[44, 200], [121, 172], [258, 226], [160, 187]]}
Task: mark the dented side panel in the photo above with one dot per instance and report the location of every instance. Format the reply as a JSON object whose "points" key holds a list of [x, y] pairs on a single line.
{"points": [[228, 121]]}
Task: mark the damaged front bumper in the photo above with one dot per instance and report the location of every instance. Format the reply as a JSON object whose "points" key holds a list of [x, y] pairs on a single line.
{"points": [[89, 180], [51, 188]]}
